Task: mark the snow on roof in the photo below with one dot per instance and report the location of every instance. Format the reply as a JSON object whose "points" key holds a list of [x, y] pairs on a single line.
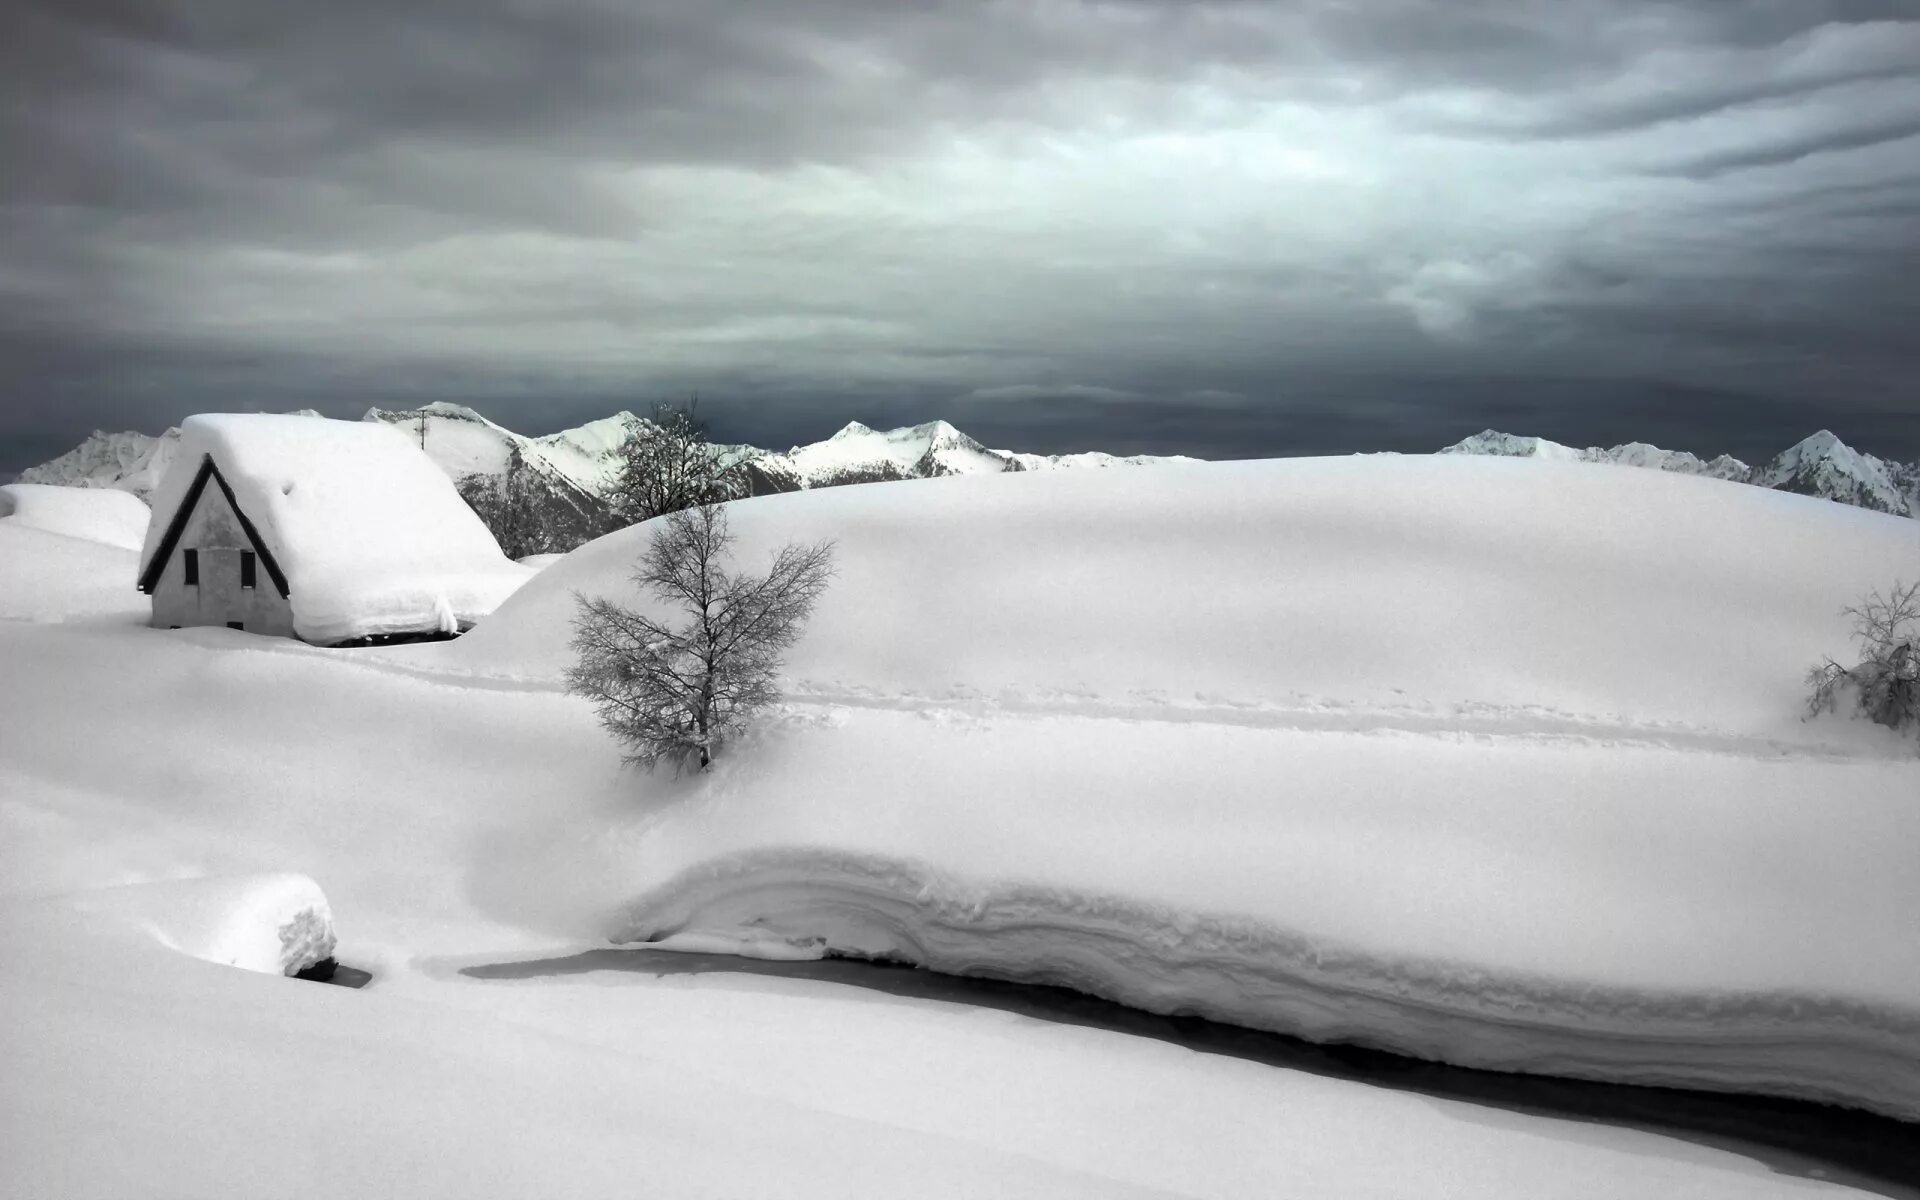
{"points": [[104, 515], [370, 534]]}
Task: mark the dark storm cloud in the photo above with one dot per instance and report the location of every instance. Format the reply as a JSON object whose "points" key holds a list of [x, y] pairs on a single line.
{"points": [[1036, 212]]}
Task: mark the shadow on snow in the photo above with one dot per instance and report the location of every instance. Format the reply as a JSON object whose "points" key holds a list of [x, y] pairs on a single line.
{"points": [[1792, 1137]]}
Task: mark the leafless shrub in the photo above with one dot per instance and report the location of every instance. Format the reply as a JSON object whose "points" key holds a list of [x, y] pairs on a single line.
{"points": [[1886, 684]]}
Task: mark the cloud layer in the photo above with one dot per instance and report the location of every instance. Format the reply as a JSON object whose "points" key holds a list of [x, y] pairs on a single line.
{"points": [[1369, 222]]}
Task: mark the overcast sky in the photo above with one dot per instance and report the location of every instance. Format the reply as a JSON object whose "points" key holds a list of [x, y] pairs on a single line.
{"points": [[1222, 227]]}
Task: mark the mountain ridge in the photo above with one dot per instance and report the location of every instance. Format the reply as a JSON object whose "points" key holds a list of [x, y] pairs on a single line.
{"points": [[1819, 464], [548, 494]]}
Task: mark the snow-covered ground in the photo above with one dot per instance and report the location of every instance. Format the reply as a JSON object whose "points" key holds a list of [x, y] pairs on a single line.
{"points": [[1499, 761], [110, 517], [70, 554]]}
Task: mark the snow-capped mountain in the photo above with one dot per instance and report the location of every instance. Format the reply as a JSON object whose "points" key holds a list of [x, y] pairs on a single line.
{"points": [[132, 462], [859, 454], [543, 495], [1825, 466], [1821, 465], [549, 494], [1632, 454]]}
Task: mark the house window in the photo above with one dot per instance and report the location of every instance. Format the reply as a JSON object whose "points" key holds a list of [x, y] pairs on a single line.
{"points": [[246, 568], [190, 562], [241, 625]]}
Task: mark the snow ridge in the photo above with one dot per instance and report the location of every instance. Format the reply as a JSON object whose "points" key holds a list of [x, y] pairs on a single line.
{"points": [[1246, 972]]}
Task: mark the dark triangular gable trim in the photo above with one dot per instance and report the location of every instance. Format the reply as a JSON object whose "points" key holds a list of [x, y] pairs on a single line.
{"points": [[178, 525]]}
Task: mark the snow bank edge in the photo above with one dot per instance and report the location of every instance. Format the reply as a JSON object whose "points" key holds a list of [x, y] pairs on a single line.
{"points": [[1826, 1048]]}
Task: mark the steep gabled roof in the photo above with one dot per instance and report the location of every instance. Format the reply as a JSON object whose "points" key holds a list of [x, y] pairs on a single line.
{"points": [[150, 575]]}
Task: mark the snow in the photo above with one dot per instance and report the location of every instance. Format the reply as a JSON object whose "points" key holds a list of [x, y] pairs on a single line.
{"points": [[1509, 446], [130, 461], [276, 924], [372, 538], [1631, 454], [935, 448], [112, 518], [433, 812], [47, 576], [1091, 459], [1498, 761], [1823, 465], [1480, 729]]}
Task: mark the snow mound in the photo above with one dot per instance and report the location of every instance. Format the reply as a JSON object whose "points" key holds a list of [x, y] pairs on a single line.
{"points": [[371, 536], [1246, 972], [1410, 581], [50, 577], [110, 517], [275, 924]]}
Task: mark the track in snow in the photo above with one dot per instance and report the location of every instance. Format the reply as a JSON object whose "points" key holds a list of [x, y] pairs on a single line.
{"points": [[1535, 724]]}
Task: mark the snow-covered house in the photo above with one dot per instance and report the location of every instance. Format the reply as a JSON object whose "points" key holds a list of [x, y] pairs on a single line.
{"points": [[328, 531]]}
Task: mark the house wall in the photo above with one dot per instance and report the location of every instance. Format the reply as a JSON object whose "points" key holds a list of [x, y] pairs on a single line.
{"points": [[214, 530]]}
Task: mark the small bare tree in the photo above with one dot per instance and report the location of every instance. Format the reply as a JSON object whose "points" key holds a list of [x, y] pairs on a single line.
{"points": [[1886, 683], [673, 693], [668, 464]]}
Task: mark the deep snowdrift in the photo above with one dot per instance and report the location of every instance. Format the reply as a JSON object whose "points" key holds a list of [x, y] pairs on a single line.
{"points": [[1453, 587], [372, 537], [1492, 762], [113, 518], [52, 577]]}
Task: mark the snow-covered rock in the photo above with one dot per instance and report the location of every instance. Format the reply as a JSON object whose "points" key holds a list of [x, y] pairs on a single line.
{"points": [[273, 924], [371, 537], [94, 514]]}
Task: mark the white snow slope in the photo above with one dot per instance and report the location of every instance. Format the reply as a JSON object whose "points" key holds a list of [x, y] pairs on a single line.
{"points": [[990, 715], [65, 556], [1482, 761], [372, 538], [112, 518]]}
